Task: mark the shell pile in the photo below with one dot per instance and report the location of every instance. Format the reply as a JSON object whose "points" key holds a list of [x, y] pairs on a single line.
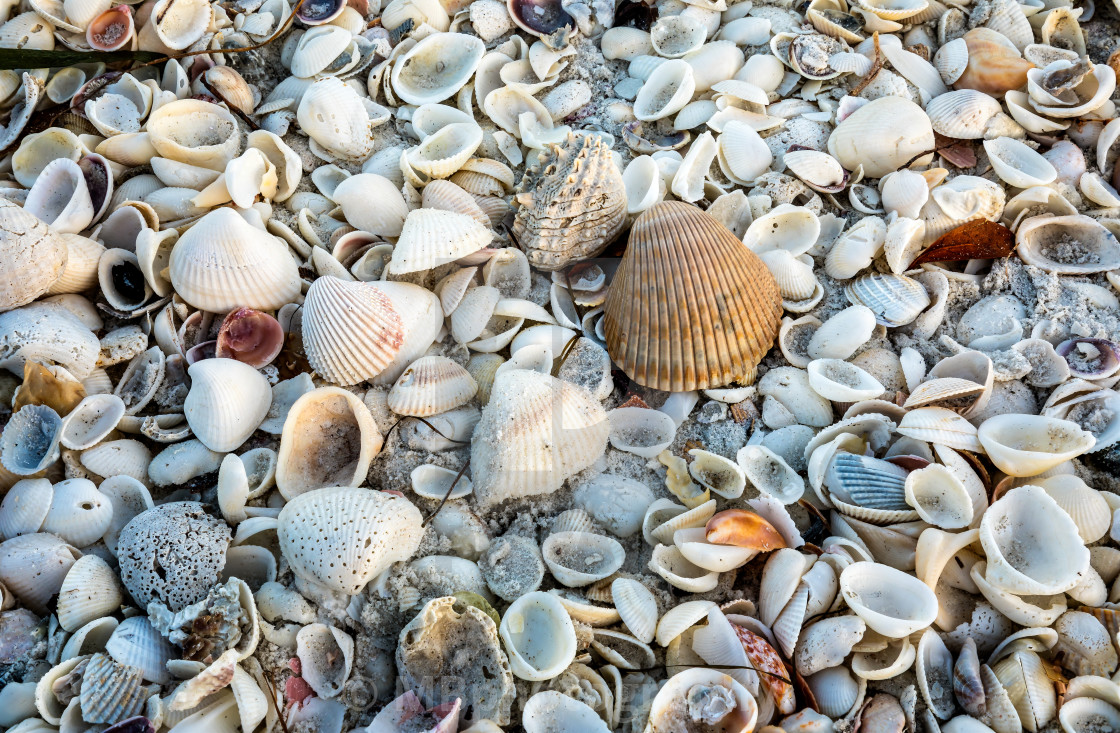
{"points": [[560, 366]]}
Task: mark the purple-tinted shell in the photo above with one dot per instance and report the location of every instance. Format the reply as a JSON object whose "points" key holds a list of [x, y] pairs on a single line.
{"points": [[139, 724], [317, 12], [1090, 358]]}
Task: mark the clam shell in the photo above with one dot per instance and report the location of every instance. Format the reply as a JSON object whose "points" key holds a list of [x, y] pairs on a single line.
{"points": [[227, 401], [431, 385], [355, 331], [538, 636], [668, 230], [329, 439], [378, 530]]}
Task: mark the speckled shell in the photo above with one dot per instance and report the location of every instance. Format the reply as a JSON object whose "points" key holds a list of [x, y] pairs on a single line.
{"points": [[690, 306], [571, 204]]}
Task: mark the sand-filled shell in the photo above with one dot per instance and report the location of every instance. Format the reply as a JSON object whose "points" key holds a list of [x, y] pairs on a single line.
{"points": [[571, 203], [732, 307], [1019, 560], [223, 263], [329, 439], [341, 538], [354, 331], [534, 433], [431, 385]]}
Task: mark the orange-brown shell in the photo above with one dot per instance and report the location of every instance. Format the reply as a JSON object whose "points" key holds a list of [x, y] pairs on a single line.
{"points": [[690, 306], [743, 528], [993, 66]]}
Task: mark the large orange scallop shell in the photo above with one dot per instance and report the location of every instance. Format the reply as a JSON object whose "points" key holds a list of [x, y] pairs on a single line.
{"points": [[690, 306]]}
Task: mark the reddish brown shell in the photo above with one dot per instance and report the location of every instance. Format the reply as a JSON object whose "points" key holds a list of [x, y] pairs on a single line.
{"points": [[690, 306]]}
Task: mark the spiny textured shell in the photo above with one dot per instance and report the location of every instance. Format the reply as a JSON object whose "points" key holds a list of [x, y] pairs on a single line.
{"points": [[341, 538], [31, 257], [535, 432], [690, 306], [431, 385], [572, 203], [172, 553]]}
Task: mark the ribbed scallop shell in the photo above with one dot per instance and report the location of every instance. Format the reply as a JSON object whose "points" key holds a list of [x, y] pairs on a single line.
{"points": [[941, 426], [90, 591], [690, 307], [445, 195], [431, 385], [637, 607], [136, 643], [433, 237], [226, 403], [111, 692], [571, 203], [534, 433], [342, 538], [223, 262], [31, 257], [894, 299], [962, 114]]}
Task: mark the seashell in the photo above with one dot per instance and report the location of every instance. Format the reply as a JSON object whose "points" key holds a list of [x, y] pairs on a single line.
{"points": [[702, 696], [326, 657], [538, 636], [634, 358], [1043, 241], [385, 529], [860, 140], [533, 458], [1027, 445], [1018, 567], [842, 381], [666, 91], [894, 299], [110, 692], [550, 225], [227, 401], [939, 497], [33, 567], [770, 474], [328, 439], [640, 431], [941, 426], [338, 338], [337, 121], [891, 602], [136, 643], [679, 572], [431, 237], [716, 473]]}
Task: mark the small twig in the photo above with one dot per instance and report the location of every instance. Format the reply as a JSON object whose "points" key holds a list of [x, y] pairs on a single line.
{"points": [[279, 32], [450, 488], [875, 68]]}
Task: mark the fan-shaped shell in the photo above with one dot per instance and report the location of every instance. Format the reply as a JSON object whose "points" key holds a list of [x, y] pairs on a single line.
{"points": [[341, 538], [690, 353]]}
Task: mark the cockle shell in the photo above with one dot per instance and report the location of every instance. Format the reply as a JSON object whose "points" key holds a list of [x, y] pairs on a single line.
{"points": [[744, 287], [549, 430], [377, 530], [355, 331], [571, 204], [329, 439]]}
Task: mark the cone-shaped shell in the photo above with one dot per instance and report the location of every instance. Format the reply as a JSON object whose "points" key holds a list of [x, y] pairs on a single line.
{"points": [[31, 256], [535, 432], [690, 306], [572, 203], [353, 331], [223, 263], [226, 403], [341, 537]]}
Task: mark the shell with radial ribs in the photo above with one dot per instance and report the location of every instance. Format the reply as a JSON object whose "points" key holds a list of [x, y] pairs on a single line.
{"points": [[571, 204], [690, 306]]}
